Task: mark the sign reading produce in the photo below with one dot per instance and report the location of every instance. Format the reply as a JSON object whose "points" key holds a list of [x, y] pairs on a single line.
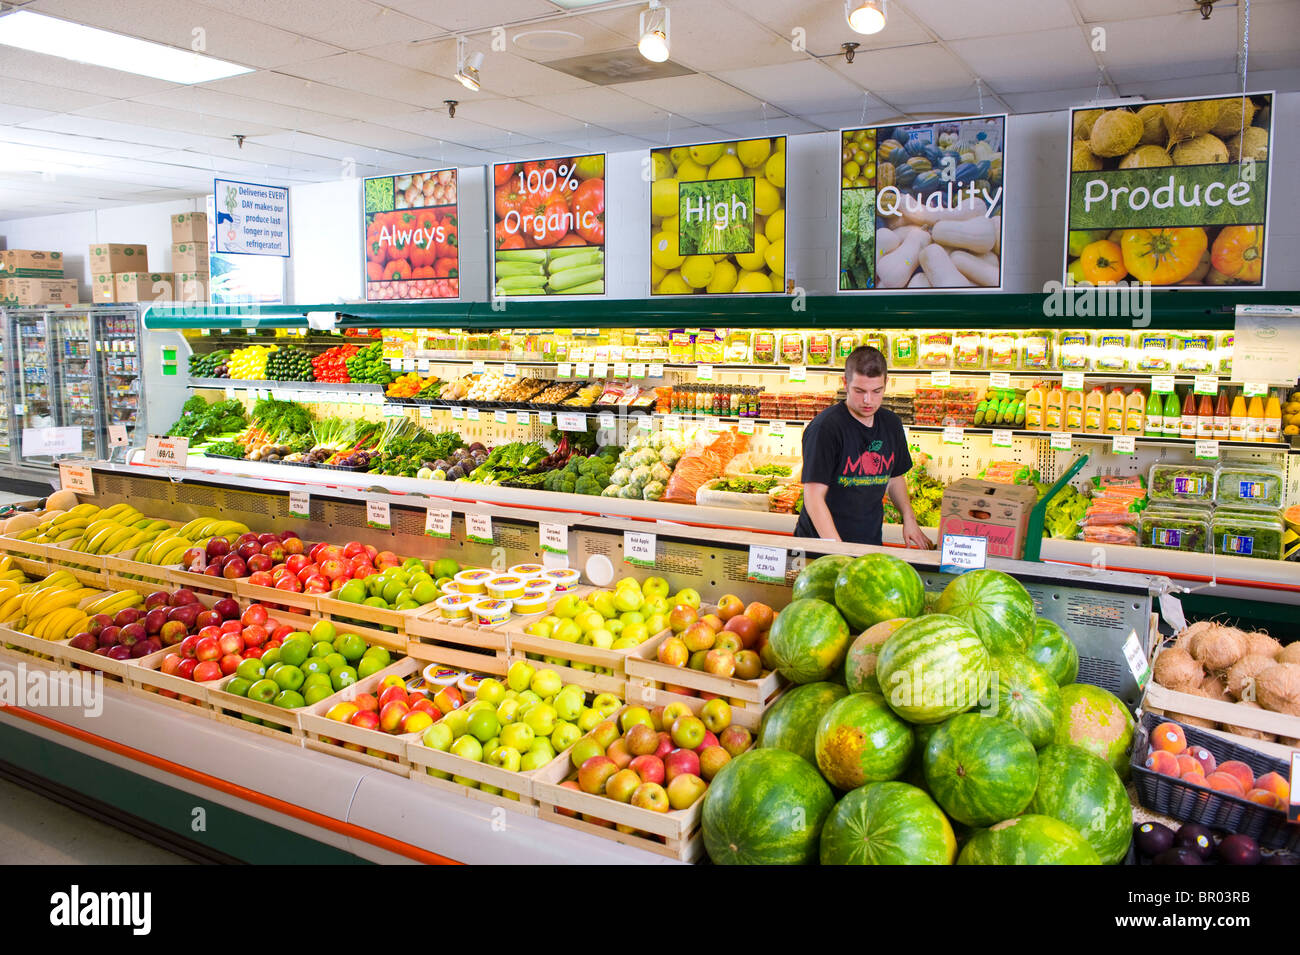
{"points": [[717, 218], [1172, 193], [412, 249], [550, 227], [921, 205]]}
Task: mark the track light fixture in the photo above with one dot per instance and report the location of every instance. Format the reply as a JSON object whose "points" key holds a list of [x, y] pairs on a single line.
{"points": [[865, 16], [467, 66], [654, 32]]}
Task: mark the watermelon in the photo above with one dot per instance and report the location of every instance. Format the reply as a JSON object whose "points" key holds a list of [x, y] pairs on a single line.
{"points": [[860, 740], [808, 641], [1079, 788], [765, 807], [980, 769], [1029, 840], [817, 580], [931, 668], [993, 604], [1025, 695], [887, 824], [876, 587], [791, 723], [1052, 647], [860, 663], [1097, 721]]}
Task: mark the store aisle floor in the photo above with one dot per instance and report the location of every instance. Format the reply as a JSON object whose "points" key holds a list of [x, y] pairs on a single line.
{"points": [[35, 830], [8, 498]]}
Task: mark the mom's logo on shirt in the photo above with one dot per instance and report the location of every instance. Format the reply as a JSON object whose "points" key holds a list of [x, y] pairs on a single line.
{"points": [[869, 463]]}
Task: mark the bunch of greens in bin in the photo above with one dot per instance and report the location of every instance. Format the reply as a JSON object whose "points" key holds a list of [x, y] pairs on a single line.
{"points": [[744, 485], [508, 462], [200, 420], [284, 421], [1064, 511], [410, 453], [571, 270], [925, 492], [229, 449], [778, 470], [857, 239]]}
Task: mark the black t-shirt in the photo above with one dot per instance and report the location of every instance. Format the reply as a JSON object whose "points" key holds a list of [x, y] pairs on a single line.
{"points": [[855, 463]]}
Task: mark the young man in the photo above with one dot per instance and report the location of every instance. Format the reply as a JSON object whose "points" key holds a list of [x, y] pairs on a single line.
{"points": [[854, 453]]}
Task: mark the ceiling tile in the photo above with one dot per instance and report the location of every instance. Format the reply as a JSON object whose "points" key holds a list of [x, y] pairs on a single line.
{"points": [[104, 134], [526, 119], [957, 19], [20, 114], [40, 96], [290, 90], [698, 97], [458, 17], [55, 71], [206, 101], [343, 153], [1159, 48], [465, 132], [799, 87], [1094, 11], [1018, 64], [823, 25], [904, 70], [599, 105], [1044, 100], [160, 117], [378, 77], [785, 126], [561, 39], [369, 24], [852, 118], [369, 139], [502, 74]]}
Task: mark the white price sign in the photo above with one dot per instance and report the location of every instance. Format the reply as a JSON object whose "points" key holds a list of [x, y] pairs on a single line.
{"points": [[162, 452], [564, 370], [1002, 438], [544, 417], [511, 369], [1123, 444], [621, 369], [392, 410], [607, 421], [480, 367], [458, 414], [426, 411], [999, 379], [1137, 659], [1249, 389], [639, 549], [1208, 450], [51, 441], [377, 515], [1061, 440], [572, 421], [117, 436], [767, 564], [437, 522], [478, 528], [1206, 385], [643, 422], [1072, 381], [656, 371], [408, 364], [471, 414], [746, 426], [581, 369], [636, 370], [523, 419], [952, 435], [1162, 384], [76, 479], [704, 372], [798, 373], [776, 429], [554, 538], [501, 416], [672, 422], [960, 553], [423, 366], [599, 369], [941, 379], [300, 504]]}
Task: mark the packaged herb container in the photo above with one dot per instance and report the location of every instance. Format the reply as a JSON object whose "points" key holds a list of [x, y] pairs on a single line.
{"points": [[1072, 351], [1176, 528], [1188, 483], [1036, 350], [1252, 486], [1239, 533]]}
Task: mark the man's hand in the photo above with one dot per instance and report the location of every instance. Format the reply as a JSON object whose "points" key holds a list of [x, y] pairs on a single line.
{"points": [[913, 536]]}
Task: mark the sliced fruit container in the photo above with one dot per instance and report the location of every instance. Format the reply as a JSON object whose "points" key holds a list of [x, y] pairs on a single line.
{"points": [[370, 747]]}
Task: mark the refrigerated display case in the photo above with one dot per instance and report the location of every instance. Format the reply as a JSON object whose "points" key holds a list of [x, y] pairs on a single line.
{"points": [[117, 367], [34, 404], [7, 445], [72, 373]]}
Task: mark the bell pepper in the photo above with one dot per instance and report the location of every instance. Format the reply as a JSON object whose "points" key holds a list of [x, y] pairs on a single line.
{"points": [[1163, 256]]}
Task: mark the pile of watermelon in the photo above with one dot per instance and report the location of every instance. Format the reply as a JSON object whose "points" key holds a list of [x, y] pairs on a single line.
{"points": [[950, 730]]}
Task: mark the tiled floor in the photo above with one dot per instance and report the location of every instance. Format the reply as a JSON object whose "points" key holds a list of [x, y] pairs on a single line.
{"points": [[7, 498]]}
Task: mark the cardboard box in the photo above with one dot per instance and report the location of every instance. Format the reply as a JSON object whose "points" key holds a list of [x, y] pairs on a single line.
{"points": [[31, 264], [103, 287], [998, 512], [190, 227], [145, 286], [27, 291], [192, 286], [190, 257], [110, 257]]}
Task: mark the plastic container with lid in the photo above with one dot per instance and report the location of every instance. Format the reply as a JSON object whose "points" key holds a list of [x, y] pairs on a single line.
{"points": [[1242, 533], [528, 571], [533, 600], [468, 684], [564, 578], [491, 612], [505, 586], [473, 581], [456, 606], [1190, 483], [1249, 486], [449, 588], [1184, 528], [436, 674]]}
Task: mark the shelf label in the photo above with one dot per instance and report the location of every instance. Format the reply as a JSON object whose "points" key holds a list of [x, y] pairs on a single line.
{"points": [[1209, 450], [607, 422], [1249, 389], [798, 373], [941, 379], [51, 441], [599, 369], [501, 416], [563, 370], [437, 522], [960, 553], [117, 436], [392, 410], [1171, 608], [636, 370], [656, 370], [511, 369], [746, 426], [479, 368], [953, 435], [581, 370], [20, 410], [471, 414], [422, 366], [300, 504], [523, 419], [1000, 379], [1061, 440], [76, 479], [395, 364], [643, 422], [1206, 385], [160, 452], [554, 538], [230, 394], [704, 372], [572, 421], [1137, 659], [377, 515], [639, 549], [672, 422], [1123, 444], [1162, 384], [478, 528], [408, 364], [776, 429], [767, 564], [426, 411], [1002, 438], [544, 417], [621, 369], [1072, 381], [458, 414]]}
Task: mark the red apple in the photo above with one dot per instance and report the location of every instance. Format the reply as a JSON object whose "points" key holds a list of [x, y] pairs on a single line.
{"points": [[207, 618], [360, 566], [231, 643], [267, 538], [666, 745], [235, 569], [254, 635], [208, 670], [292, 544], [391, 716], [158, 598], [171, 663], [280, 632], [290, 583], [231, 626], [230, 663], [132, 634], [424, 703], [187, 668], [317, 584], [187, 645], [173, 632], [261, 578], [110, 636], [127, 615], [274, 550], [255, 615], [208, 648], [333, 569], [183, 597], [246, 538], [186, 614], [367, 701], [371, 551], [248, 550], [260, 562], [392, 693], [154, 620], [212, 570], [194, 559], [681, 761], [98, 622], [386, 558], [84, 641], [218, 547], [119, 652], [649, 768], [366, 719], [709, 740], [254, 653], [594, 773], [294, 563], [316, 549]]}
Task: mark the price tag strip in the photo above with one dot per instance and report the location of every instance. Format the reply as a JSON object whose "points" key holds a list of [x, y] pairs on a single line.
{"points": [[478, 528], [554, 538], [1002, 438], [300, 504], [1072, 381], [639, 549], [1061, 440], [1207, 450], [960, 553], [953, 435], [437, 522], [571, 421], [1123, 444], [767, 564], [378, 515]]}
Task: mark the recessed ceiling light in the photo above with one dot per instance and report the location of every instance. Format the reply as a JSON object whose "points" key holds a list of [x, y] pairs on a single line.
{"points": [[654, 33], [865, 16], [548, 41], [83, 44]]}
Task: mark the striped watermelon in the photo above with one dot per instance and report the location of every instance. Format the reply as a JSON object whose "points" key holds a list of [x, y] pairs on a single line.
{"points": [[993, 604], [808, 641], [931, 668], [1025, 695], [1029, 840], [1097, 721], [860, 740], [791, 723], [860, 663], [876, 587], [765, 807], [981, 769], [817, 580], [1079, 788], [887, 824], [1052, 647]]}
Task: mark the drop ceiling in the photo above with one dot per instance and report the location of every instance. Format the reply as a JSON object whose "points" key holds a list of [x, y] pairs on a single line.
{"points": [[357, 86]]}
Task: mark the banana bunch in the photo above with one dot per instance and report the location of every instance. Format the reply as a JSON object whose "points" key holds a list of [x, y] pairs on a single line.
{"points": [[10, 575], [111, 601], [61, 526], [168, 547], [49, 609], [116, 537], [206, 527]]}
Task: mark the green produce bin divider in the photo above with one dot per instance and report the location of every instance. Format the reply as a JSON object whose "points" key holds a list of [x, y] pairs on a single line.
{"points": [[1034, 533]]}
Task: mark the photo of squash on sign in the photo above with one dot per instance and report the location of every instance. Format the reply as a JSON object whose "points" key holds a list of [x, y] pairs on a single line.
{"points": [[411, 223]]}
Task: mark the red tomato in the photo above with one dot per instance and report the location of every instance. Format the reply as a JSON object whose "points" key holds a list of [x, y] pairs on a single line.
{"points": [[503, 172], [589, 211], [508, 199], [572, 239], [546, 218]]}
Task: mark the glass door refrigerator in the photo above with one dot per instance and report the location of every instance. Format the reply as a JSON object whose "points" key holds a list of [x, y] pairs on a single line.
{"points": [[117, 367], [74, 373], [35, 404], [8, 444]]}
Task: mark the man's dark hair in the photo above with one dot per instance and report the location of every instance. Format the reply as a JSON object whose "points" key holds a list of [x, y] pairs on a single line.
{"points": [[866, 361]]}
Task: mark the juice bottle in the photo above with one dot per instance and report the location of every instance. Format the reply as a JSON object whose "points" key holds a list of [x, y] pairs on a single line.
{"points": [[1053, 410], [1222, 415], [1171, 421], [1237, 419], [1205, 417], [1094, 411], [1134, 411], [1273, 419], [1034, 407], [1154, 425], [1255, 419], [1115, 411], [1073, 413], [1187, 421]]}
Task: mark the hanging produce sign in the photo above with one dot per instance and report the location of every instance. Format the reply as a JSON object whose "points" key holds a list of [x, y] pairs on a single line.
{"points": [[1172, 193], [410, 225], [921, 205], [549, 233], [717, 218], [252, 219]]}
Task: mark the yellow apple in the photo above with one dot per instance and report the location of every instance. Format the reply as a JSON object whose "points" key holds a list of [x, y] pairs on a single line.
{"points": [[601, 638], [655, 587], [688, 596]]}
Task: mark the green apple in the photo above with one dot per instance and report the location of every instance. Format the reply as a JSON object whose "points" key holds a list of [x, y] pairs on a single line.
{"points": [[632, 616], [606, 705], [317, 679], [636, 631], [314, 694], [655, 587], [494, 691], [467, 747], [588, 719], [627, 599], [378, 653], [603, 603], [602, 638], [528, 696], [584, 749], [541, 718], [555, 661], [589, 620], [251, 670], [569, 631], [438, 736], [568, 703], [321, 648], [484, 724], [566, 607], [624, 643], [584, 667], [507, 711], [543, 745], [519, 675], [478, 706], [287, 677], [657, 623], [565, 735], [540, 628], [353, 592], [289, 699], [315, 665], [264, 690], [323, 630], [335, 660], [343, 676], [546, 683], [271, 657], [519, 736], [507, 757], [367, 666], [689, 597], [239, 685], [534, 760], [295, 650], [614, 626], [457, 721], [634, 715], [351, 646], [656, 605]]}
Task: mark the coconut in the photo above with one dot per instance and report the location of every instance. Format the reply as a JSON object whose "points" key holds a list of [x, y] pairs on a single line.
{"points": [[1259, 643], [1199, 150], [1246, 731], [1153, 125], [1084, 159], [1290, 653], [1214, 688], [1256, 142], [1083, 121], [1176, 670], [1234, 115], [1115, 132], [1242, 674], [1191, 633], [1191, 118], [1144, 157], [1278, 689], [1220, 648]]}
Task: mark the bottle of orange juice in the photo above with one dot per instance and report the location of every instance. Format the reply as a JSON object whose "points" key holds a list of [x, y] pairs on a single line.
{"points": [[1053, 410], [1034, 407], [1073, 414], [1114, 421], [1134, 411], [1237, 418], [1272, 418], [1094, 411], [1255, 419]]}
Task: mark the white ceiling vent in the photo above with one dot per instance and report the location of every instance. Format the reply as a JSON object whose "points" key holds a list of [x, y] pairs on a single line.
{"points": [[617, 66]]}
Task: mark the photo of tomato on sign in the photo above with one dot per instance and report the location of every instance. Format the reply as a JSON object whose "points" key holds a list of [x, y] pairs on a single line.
{"points": [[549, 233], [412, 249]]}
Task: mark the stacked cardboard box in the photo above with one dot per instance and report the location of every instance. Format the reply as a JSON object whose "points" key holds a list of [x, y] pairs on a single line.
{"points": [[31, 277], [144, 286], [109, 260], [190, 256]]}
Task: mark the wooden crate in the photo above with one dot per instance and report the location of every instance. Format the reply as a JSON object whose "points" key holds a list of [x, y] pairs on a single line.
{"points": [[12, 545], [31, 566], [287, 734], [420, 774], [199, 583], [644, 668], [588, 680], [62, 555], [422, 759], [330, 606], [285, 601], [327, 736], [461, 643], [383, 638], [124, 567], [23, 646], [148, 680], [1161, 700]]}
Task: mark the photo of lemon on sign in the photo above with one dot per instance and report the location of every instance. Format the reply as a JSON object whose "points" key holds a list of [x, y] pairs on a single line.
{"points": [[717, 218]]}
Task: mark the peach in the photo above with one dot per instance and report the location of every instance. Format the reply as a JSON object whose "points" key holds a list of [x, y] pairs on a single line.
{"points": [[1166, 764], [1225, 782], [1187, 765], [1266, 798], [1204, 757], [1275, 783], [1169, 737], [1244, 775]]}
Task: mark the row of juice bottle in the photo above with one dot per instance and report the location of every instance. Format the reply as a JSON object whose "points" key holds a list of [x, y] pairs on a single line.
{"points": [[1220, 416]]}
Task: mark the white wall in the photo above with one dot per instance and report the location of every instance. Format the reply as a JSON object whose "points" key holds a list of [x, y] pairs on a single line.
{"points": [[326, 219]]}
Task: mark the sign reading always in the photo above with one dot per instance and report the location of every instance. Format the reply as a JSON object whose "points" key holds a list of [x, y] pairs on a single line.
{"points": [[409, 226], [252, 219]]}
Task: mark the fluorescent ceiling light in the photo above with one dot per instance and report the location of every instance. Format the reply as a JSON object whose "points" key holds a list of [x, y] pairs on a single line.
{"points": [[654, 33], [865, 16], [577, 4], [83, 44]]}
